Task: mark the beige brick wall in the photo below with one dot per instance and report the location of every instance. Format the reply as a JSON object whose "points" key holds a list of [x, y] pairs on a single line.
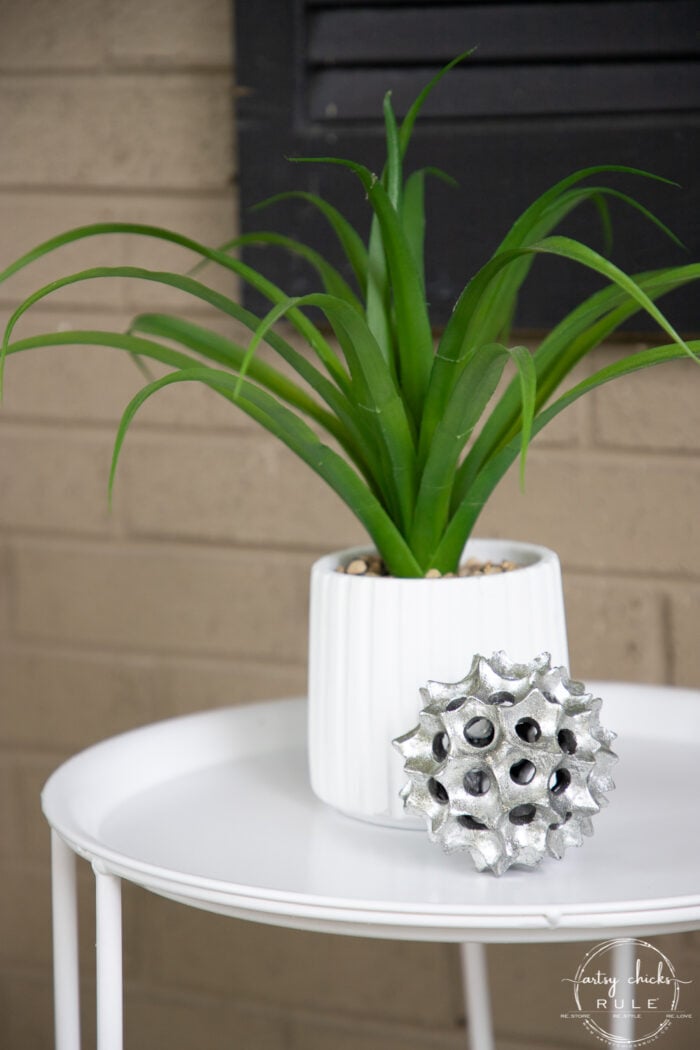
{"points": [[121, 109]]}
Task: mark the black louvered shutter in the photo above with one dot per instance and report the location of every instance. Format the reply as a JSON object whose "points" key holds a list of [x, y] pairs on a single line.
{"points": [[552, 87]]}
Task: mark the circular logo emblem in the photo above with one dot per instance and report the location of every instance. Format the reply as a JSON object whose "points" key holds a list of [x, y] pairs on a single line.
{"points": [[626, 992]]}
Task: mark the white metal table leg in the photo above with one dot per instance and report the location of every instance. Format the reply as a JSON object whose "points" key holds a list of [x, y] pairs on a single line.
{"points": [[475, 979], [108, 903], [66, 979], [622, 1028]]}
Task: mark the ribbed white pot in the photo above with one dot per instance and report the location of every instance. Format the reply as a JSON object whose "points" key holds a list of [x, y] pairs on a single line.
{"points": [[375, 641]]}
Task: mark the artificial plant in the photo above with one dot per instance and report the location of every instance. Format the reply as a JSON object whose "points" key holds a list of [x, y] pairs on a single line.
{"points": [[412, 437]]}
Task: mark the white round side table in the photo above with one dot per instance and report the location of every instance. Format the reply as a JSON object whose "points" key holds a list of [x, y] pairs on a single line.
{"points": [[214, 810]]}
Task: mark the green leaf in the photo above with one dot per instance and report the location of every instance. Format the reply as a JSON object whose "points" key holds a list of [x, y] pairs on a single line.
{"points": [[343, 424], [466, 515], [409, 120], [527, 377], [413, 214], [413, 330], [350, 240], [374, 391], [190, 287], [580, 332], [378, 306], [596, 193], [459, 341], [333, 282], [393, 175], [471, 394], [224, 351], [566, 248], [601, 206], [413, 220], [110, 340], [497, 307], [299, 437], [522, 229], [247, 273]]}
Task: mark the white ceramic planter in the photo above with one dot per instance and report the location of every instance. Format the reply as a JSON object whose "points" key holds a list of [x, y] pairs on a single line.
{"points": [[375, 641]]}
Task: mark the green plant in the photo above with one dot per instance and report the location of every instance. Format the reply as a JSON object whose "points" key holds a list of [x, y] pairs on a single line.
{"points": [[400, 413]]}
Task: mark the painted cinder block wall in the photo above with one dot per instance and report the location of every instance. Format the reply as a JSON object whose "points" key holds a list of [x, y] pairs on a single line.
{"points": [[192, 592]]}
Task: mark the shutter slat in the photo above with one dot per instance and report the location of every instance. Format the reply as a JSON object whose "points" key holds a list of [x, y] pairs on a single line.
{"points": [[371, 34], [346, 94]]}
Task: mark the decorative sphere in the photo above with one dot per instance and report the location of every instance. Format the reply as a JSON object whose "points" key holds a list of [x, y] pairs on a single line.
{"points": [[509, 764]]}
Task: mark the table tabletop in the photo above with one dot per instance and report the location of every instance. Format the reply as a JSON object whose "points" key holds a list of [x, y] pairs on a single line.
{"points": [[215, 810]]}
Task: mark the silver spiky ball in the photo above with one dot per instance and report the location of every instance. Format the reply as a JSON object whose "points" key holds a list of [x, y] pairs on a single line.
{"points": [[510, 763]]}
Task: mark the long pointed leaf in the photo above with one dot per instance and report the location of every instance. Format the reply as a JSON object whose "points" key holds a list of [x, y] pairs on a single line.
{"points": [[375, 392], [409, 120], [350, 241], [469, 398], [527, 378], [413, 213], [497, 309], [393, 174], [574, 197], [580, 332], [290, 429], [414, 335], [333, 282], [343, 424], [190, 287], [111, 340], [466, 515], [247, 273], [566, 248], [455, 345], [522, 228], [224, 351]]}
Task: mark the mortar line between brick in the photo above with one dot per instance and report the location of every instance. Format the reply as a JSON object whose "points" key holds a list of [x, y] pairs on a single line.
{"points": [[101, 74], [162, 651], [610, 455], [130, 191], [645, 578], [145, 544], [144, 427], [71, 651]]}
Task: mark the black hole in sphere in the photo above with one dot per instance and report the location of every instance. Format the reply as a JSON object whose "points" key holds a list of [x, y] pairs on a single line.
{"points": [[503, 698], [522, 814], [559, 781], [438, 791], [550, 697], [471, 823], [441, 743], [567, 741], [567, 818], [528, 730], [477, 782], [479, 732], [522, 772], [454, 705]]}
